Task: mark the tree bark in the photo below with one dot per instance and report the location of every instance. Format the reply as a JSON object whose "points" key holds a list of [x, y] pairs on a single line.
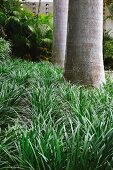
{"points": [[60, 31], [84, 54]]}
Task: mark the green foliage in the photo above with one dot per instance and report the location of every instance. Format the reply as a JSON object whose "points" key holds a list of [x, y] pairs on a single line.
{"points": [[49, 124], [9, 6], [110, 6], [4, 49], [31, 34], [108, 40], [108, 46], [108, 51]]}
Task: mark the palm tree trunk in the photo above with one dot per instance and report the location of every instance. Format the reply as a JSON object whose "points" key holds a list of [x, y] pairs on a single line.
{"points": [[84, 56], [60, 31]]}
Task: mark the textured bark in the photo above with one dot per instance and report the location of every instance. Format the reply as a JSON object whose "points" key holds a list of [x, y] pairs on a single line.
{"points": [[84, 56], [60, 31]]}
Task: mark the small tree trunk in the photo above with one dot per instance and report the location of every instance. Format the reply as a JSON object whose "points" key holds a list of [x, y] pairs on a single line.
{"points": [[39, 6], [60, 31], [84, 56]]}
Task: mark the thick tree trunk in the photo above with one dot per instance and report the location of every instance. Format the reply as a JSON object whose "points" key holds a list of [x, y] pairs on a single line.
{"points": [[84, 56], [60, 31]]}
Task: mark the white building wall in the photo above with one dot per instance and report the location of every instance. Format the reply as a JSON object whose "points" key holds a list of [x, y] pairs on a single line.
{"points": [[45, 8]]}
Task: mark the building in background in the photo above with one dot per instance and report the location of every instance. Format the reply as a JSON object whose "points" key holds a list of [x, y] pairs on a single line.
{"points": [[46, 6]]}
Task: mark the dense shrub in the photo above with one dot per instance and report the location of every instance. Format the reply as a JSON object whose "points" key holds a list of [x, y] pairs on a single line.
{"points": [[31, 34], [5, 49], [108, 40], [108, 51], [9, 6], [110, 6]]}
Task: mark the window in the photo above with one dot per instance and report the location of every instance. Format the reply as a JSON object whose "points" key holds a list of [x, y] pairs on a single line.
{"points": [[47, 5]]}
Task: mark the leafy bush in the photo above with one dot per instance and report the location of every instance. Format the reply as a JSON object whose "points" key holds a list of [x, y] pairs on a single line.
{"points": [[58, 126], [5, 49], [8, 7], [110, 6], [31, 34], [108, 51]]}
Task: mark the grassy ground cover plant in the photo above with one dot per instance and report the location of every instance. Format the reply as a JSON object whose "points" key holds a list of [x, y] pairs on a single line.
{"points": [[48, 124]]}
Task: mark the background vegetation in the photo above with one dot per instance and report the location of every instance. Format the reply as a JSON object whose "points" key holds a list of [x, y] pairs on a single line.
{"points": [[108, 40], [32, 34], [108, 51]]}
